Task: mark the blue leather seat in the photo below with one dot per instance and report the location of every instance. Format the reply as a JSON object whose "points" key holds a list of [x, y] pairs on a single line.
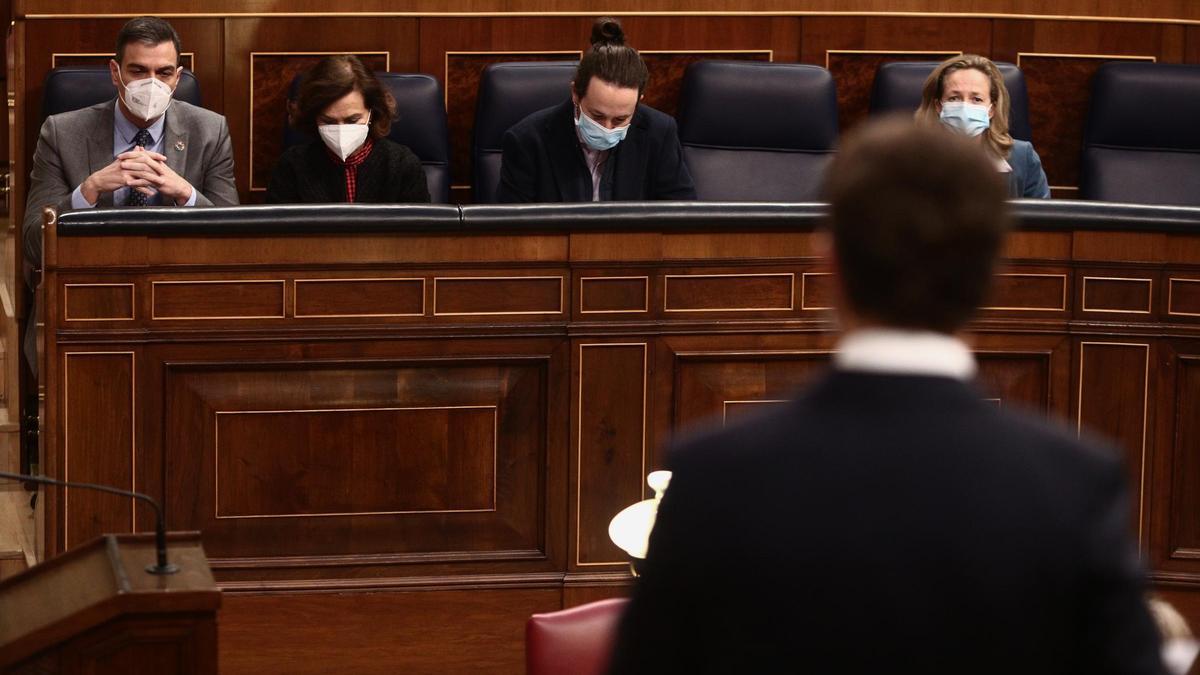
{"points": [[70, 88], [1141, 142], [754, 131], [897, 87], [508, 93], [420, 124]]}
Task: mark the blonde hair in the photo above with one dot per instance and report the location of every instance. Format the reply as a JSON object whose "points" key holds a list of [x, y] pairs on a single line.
{"points": [[996, 139]]}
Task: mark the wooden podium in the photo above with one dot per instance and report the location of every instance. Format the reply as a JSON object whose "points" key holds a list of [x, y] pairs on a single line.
{"points": [[95, 609]]}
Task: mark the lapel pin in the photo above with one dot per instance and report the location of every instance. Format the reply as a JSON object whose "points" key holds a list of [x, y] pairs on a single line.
{"points": [[179, 146]]}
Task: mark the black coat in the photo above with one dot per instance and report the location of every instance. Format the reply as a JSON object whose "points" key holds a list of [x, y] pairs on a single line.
{"points": [[891, 524], [306, 174], [542, 160]]}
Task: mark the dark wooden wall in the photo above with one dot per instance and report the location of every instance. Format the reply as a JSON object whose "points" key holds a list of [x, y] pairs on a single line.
{"points": [[244, 59], [398, 446]]}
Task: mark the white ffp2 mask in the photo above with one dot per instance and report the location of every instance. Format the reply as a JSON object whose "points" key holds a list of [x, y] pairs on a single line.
{"points": [[344, 139], [148, 97]]}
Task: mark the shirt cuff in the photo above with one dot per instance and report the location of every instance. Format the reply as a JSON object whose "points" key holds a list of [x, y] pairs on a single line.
{"points": [[78, 201], [191, 200]]}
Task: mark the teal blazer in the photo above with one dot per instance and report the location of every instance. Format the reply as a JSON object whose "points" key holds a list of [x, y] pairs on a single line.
{"points": [[1027, 179]]}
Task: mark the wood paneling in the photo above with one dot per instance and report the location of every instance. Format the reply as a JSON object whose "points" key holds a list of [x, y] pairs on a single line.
{"points": [[1161, 9], [717, 386], [98, 443], [1183, 297], [613, 294], [1112, 294], [212, 299], [355, 461], [763, 292], [610, 465], [1183, 528], [334, 459], [457, 631], [359, 297], [98, 302], [1034, 290], [482, 296], [1114, 400]]}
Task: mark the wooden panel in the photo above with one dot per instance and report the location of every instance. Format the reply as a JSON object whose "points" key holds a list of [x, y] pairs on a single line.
{"points": [[262, 56], [1162, 9], [1183, 514], [367, 633], [1116, 294], [854, 74], [480, 296], [359, 297], [1014, 378], [613, 294], [244, 299], [1183, 297], [355, 461], [728, 292], [718, 386], [610, 464], [1059, 91], [98, 302], [98, 442], [1114, 390], [434, 435], [1031, 291], [818, 291]]}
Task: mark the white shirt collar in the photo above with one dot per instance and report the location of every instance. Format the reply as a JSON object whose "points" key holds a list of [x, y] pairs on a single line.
{"points": [[904, 352]]}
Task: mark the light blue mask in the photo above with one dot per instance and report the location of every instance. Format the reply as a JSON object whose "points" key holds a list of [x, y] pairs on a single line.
{"points": [[596, 136], [968, 118]]}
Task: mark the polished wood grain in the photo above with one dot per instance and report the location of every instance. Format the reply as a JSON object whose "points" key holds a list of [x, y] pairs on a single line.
{"points": [[1183, 297], [99, 443], [213, 299], [733, 292], [613, 294], [1171, 9], [447, 631], [1116, 292], [342, 298], [1041, 290], [98, 302]]}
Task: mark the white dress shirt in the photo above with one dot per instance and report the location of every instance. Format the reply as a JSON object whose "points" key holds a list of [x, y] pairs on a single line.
{"points": [[895, 351]]}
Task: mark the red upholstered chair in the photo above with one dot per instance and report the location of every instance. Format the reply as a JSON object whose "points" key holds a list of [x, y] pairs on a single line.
{"points": [[575, 640]]}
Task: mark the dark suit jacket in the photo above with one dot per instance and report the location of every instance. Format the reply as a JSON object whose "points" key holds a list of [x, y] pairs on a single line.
{"points": [[542, 161], [306, 174], [887, 524], [1027, 179]]}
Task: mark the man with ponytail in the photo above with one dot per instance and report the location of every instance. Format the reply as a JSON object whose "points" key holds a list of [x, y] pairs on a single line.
{"points": [[600, 145]]}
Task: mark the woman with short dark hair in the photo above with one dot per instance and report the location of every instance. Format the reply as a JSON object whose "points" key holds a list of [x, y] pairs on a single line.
{"points": [[351, 160]]}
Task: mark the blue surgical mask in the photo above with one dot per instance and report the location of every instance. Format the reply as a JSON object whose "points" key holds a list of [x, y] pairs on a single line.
{"points": [[595, 135], [967, 118]]}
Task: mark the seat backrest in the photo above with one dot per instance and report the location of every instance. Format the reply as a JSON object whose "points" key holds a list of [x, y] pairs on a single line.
{"points": [[754, 131], [574, 641], [897, 88], [420, 124], [70, 88], [1141, 142], [508, 93]]}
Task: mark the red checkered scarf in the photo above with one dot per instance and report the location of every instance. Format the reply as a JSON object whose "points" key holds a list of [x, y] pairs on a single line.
{"points": [[351, 166]]}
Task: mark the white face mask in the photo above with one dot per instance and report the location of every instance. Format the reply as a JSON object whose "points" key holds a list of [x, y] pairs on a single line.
{"points": [[344, 139], [147, 98]]}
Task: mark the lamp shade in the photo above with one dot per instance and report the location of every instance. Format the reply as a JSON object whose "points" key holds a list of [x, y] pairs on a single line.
{"points": [[630, 529]]}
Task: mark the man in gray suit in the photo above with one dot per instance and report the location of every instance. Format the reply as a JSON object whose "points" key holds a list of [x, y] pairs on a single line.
{"points": [[142, 149]]}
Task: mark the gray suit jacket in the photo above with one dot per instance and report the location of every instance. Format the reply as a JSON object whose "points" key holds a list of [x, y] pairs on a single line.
{"points": [[76, 144]]}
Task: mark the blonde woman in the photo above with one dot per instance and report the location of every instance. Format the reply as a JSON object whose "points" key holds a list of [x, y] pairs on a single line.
{"points": [[967, 94]]}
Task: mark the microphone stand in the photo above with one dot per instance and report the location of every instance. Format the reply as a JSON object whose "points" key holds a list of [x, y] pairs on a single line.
{"points": [[160, 528]]}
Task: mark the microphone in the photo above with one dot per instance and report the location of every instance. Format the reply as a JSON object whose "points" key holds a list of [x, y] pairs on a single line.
{"points": [[160, 528]]}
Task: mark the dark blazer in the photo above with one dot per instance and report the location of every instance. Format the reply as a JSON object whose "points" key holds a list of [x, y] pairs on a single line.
{"points": [[306, 174], [886, 524], [542, 161], [1027, 178]]}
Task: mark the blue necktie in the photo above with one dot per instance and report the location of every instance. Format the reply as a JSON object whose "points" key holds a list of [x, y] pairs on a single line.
{"points": [[137, 197]]}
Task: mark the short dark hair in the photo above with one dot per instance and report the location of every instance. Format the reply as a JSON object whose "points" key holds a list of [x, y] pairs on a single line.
{"points": [[918, 215], [610, 59], [148, 30], [332, 78]]}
